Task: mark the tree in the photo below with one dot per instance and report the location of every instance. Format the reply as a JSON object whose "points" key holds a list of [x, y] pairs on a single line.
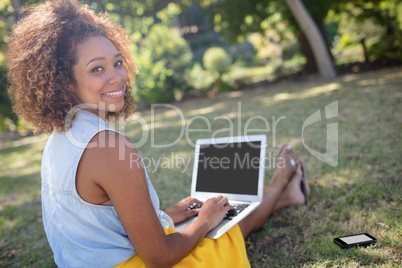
{"points": [[15, 14], [321, 55], [9, 15], [375, 24], [238, 18], [163, 61]]}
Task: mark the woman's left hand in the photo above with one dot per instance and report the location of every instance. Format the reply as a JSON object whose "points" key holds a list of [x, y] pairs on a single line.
{"points": [[180, 212]]}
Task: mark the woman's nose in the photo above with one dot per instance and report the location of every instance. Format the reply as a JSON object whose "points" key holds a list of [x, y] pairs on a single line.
{"points": [[116, 76]]}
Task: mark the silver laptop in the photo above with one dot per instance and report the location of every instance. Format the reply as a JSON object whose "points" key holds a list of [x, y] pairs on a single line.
{"points": [[234, 168]]}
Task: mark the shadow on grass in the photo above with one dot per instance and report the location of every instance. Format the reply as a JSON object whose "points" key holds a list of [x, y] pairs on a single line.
{"points": [[11, 186], [23, 241]]}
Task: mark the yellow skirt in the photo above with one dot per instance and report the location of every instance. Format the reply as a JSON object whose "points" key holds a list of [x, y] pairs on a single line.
{"points": [[229, 250]]}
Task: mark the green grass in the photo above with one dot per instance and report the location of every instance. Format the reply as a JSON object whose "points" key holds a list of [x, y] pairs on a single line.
{"points": [[361, 194]]}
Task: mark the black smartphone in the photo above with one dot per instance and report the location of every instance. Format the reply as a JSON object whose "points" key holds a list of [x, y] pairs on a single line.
{"points": [[348, 241]]}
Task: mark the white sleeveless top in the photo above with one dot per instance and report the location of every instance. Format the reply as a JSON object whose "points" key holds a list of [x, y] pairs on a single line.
{"points": [[82, 234]]}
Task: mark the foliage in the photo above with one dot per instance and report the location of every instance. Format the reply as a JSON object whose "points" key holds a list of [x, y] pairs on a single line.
{"points": [[244, 53], [6, 114], [163, 59], [216, 60], [237, 19], [200, 43], [389, 48], [124, 8], [377, 24], [5, 103], [201, 79], [272, 46]]}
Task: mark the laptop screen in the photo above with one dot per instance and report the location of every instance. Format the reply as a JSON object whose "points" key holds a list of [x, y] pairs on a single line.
{"points": [[229, 168]]}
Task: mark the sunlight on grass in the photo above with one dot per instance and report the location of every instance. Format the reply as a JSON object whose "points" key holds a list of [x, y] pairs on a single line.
{"points": [[25, 141], [205, 110], [313, 92], [369, 82], [298, 94], [319, 90], [283, 96], [334, 180], [155, 125]]}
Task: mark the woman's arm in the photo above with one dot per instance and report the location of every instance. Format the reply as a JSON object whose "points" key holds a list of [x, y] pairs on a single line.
{"points": [[110, 167]]}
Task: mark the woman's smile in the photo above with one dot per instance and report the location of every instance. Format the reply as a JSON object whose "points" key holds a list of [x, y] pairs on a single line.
{"points": [[115, 94]]}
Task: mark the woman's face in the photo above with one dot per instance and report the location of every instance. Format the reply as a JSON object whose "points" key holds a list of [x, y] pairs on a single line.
{"points": [[100, 76]]}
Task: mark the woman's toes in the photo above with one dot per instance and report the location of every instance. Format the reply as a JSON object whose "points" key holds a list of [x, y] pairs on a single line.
{"points": [[286, 157]]}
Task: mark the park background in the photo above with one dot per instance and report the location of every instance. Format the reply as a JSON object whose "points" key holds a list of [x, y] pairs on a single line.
{"points": [[206, 57]]}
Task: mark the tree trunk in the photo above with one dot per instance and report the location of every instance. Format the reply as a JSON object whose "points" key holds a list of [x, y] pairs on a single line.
{"points": [[366, 57], [319, 21], [310, 29]]}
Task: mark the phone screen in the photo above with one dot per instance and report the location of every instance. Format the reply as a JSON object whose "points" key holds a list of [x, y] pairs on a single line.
{"points": [[356, 239]]}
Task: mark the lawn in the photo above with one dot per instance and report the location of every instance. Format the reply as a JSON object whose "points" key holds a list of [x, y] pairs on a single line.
{"points": [[362, 193]]}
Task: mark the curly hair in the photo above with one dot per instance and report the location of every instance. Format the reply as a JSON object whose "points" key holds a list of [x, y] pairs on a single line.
{"points": [[41, 54]]}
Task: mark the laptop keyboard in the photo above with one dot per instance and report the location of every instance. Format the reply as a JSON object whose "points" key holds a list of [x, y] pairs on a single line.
{"points": [[237, 208]]}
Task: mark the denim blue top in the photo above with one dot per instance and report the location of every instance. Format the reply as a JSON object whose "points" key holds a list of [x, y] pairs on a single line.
{"points": [[82, 234]]}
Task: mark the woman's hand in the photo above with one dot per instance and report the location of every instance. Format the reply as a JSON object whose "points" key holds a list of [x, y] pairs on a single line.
{"points": [[213, 210], [179, 212]]}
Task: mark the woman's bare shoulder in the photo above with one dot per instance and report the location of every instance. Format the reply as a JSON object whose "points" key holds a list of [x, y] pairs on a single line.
{"points": [[109, 160]]}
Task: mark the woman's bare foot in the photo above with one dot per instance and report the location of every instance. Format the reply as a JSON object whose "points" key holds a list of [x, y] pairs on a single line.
{"points": [[292, 194], [286, 166]]}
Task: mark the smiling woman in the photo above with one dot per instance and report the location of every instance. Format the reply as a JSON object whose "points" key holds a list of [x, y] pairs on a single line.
{"points": [[70, 71], [45, 61], [100, 75]]}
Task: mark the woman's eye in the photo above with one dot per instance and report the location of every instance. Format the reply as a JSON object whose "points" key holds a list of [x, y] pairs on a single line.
{"points": [[118, 63], [97, 69]]}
